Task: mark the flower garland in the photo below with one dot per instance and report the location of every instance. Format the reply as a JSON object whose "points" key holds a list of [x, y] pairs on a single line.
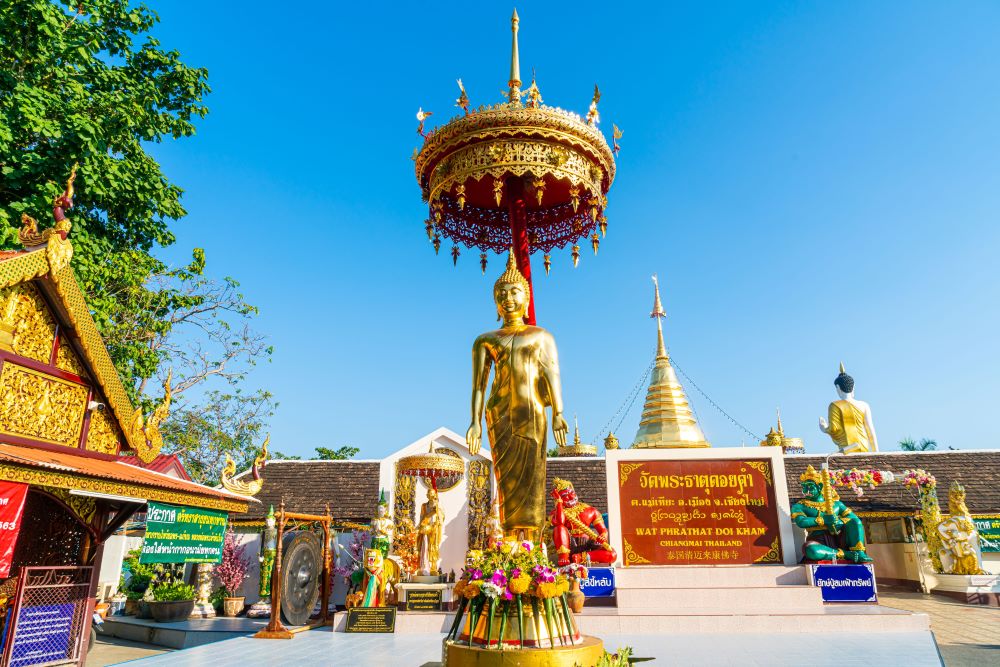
{"points": [[919, 478], [856, 479]]}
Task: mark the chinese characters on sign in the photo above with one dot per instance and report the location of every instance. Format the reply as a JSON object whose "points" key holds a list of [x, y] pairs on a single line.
{"points": [[698, 512]]}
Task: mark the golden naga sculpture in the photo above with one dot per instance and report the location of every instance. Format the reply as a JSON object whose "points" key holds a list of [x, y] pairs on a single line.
{"points": [[30, 237], [959, 538], [145, 433], [252, 487], [525, 382]]}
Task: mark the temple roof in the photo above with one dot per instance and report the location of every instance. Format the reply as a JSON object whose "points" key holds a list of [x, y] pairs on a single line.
{"points": [[48, 267], [350, 488], [69, 470], [977, 470], [667, 419]]}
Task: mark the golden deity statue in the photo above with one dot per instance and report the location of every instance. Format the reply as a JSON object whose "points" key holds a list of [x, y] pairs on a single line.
{"points": [[959, 537], [429, 533], [525, 382]]}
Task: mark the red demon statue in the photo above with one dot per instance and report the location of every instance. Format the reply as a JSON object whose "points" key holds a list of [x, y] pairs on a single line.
{"points": [[578, 529]]}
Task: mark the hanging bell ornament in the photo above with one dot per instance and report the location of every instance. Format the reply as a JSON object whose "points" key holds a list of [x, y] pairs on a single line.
{"points": [[595, 241], [574, 198], [548, 263], [482, 262], [429, 228], [576, 255], [454, 255], [497, 190], [437, 243], [593, 209], [460, 196], [602, 222]]}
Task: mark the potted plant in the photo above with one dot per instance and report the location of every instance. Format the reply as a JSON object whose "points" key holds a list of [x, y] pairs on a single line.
{"points": [[231, 573], [172, 602], [139, 576]]}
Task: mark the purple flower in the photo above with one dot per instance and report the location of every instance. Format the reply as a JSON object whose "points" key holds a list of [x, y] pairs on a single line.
{"points": [[477, 573], [515, 573], [507, 595], [499, 578]]}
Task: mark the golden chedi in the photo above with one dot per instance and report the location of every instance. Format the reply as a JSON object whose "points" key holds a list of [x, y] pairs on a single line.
{"points": [[578, 448], [526, 381], [776, 438], [667, 419]]}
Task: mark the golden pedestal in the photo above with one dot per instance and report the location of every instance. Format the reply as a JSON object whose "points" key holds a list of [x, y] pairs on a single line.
{"points": [[460, 654]]}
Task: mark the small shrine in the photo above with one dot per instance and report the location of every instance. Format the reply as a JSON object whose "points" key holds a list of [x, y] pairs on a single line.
{"points": [[776, 438]]}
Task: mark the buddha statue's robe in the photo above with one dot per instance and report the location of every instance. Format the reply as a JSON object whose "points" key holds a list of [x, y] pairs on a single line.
{"points": [[516, 423], [848, 428]]}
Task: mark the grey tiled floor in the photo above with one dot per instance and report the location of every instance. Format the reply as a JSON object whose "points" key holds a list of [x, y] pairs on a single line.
{"points": [[325, 648]]}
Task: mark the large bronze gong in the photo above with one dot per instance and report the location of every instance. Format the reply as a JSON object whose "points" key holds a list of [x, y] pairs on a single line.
{"points": [[301, 571]]}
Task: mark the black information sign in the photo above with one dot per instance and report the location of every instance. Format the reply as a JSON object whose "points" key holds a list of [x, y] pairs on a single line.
{"points": [[371, 619], [423, 600]]}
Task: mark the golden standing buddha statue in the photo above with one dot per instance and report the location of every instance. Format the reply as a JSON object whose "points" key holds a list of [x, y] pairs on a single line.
{"points": [[525, 382]]}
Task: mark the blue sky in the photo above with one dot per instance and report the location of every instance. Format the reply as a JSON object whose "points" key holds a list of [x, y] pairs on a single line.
{"points": [[813, 182]]}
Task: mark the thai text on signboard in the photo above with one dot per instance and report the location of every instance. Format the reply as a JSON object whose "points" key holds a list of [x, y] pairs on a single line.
{"points": [[989, 532], [177, 534], [702, 512], [371, 619], [848, 582], [43, 634], [12, 496], [600, 582]]}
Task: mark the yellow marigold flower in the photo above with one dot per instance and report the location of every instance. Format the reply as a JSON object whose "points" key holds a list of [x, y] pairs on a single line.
{"points": [[562, 585], [548, 590], [519, 584], [459, 587], [471, 589]]}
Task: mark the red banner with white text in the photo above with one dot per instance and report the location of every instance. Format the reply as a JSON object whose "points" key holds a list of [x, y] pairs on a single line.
{"points": [[12, 497]]}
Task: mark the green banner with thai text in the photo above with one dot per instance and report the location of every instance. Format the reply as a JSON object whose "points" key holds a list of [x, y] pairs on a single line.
{"points": [[989, 532], [176, 534]]}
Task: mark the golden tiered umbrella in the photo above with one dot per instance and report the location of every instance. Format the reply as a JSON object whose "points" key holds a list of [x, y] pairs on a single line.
{"points": [[518, 175], [433, 466]]}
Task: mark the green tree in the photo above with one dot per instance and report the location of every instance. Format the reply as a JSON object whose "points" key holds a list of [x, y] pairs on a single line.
{"points": [[221, 423], [88, 84], [911, 445], [339, 454]]}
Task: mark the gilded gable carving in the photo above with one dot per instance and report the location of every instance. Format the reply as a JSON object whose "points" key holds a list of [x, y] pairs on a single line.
{"points": [[103, 435], [67, 360], [23, 309], [39, 406]]}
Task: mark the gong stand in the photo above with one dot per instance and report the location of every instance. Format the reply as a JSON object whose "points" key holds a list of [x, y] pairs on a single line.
{"points": [[275, 628]]}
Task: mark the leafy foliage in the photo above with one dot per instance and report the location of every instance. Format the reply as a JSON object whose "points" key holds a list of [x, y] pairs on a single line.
{"points": [[173, 592], [339, 454], [139, 576], [910, 445], [222, 423]]}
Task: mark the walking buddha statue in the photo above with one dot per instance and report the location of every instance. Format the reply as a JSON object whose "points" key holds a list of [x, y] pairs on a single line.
{"points": [[578, 530], [850, 420], [430, 531], [526, 381], [834, 531]]}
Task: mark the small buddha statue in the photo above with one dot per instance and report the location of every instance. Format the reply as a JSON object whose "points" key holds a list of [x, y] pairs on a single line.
{"points": [[430, 530], [526, 381], [850, 426], [959, 538], [382, 527]]}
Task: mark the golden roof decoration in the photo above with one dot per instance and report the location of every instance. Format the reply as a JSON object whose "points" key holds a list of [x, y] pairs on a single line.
{"points": [[471, 168]]}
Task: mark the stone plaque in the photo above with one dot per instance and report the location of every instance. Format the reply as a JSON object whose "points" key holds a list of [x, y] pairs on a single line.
{"points": [[423, 600], [690, 511], [371, 619]]}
